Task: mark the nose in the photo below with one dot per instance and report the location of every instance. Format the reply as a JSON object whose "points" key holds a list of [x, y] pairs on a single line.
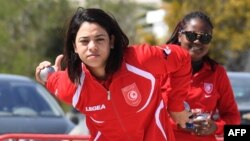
{"points": [[92, 46], [197, 40]]}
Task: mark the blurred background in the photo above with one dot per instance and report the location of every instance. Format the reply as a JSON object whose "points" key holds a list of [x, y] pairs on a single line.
{"points": [[33, 30]]}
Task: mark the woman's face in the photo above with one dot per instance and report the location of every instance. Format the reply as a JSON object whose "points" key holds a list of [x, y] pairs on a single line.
{"points": [[188, 39], [93, 45]]}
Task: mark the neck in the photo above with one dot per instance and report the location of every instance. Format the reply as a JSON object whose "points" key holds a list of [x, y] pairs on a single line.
{"points": [[98, 73], [197, 65]]}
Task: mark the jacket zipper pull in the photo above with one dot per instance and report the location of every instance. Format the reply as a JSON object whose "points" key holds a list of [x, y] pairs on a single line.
{"points": [[108, 95]]}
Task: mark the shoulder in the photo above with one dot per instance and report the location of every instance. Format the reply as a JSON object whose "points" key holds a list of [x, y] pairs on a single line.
{"points": [[220, 68], [142, 51], [167, 49], [177, 50], [169, 57], [173, 53], [221, 72]]}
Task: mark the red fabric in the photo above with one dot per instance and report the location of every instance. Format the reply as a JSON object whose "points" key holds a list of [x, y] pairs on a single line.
{"points": [[211, 91], [149, 81]]}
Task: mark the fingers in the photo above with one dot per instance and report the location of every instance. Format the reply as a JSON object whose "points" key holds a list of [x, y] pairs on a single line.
{"points": [[206, 129], [58, 62], [182, 118], [44, 64], [201, 132], [202, 122], [41, 66]]}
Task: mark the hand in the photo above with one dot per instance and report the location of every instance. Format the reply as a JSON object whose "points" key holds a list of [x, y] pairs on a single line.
{"points": [[181, 118], [58, 63], [44, 64], [204, 127]]}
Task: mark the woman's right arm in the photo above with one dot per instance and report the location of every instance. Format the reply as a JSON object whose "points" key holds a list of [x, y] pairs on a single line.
{"points": [[57, 83]]}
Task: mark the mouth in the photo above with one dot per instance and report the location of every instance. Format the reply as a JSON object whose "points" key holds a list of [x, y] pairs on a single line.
{"points": [[93, 55]]}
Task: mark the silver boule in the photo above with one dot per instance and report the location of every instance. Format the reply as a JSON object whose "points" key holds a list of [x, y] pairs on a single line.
{"points": [[201, 117], [45, 72]]}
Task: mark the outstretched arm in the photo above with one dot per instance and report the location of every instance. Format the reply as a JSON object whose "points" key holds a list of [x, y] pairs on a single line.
{"points": [[45, 64]]}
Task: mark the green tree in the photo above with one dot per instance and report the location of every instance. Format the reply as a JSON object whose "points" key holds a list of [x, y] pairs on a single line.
{"points": [[231, 21], [32, 31]]}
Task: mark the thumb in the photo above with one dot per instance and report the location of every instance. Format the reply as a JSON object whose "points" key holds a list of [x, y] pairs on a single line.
{"points": [[58, 62]]}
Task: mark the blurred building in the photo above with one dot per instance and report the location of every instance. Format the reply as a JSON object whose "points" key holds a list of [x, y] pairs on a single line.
{"points": [[158, 25]]}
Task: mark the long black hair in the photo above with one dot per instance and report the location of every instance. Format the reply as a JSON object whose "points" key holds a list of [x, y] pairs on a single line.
{"points": [[93, 15], [182, 25]]}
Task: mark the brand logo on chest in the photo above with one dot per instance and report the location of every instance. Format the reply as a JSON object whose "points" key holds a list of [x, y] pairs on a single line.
{"points": [[131, 95], [95, 108]]}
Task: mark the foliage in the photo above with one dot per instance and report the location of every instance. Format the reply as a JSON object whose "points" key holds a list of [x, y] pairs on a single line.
{"points": [[31, 31], [231, 21]]}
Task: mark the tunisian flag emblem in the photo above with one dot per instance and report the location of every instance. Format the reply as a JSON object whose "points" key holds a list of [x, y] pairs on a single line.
{"points": [[131, 95]]}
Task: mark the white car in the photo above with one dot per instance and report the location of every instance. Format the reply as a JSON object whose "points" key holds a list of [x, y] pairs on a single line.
{"points": [[241, 86]]}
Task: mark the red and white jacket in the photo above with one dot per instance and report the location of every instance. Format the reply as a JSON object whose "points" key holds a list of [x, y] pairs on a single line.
{"points": [[211, 92], [151, 81]]}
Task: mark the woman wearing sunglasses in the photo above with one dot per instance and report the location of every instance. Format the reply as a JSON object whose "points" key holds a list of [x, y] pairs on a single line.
{"points": [[211, 94]]}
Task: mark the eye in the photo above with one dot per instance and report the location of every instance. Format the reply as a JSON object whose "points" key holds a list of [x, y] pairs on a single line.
{"points": [[205, 38], [84, 41], [191, 36], [100, 39]]}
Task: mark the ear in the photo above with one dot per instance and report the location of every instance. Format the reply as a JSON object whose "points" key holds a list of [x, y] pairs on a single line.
{"points": [[112, 42]]}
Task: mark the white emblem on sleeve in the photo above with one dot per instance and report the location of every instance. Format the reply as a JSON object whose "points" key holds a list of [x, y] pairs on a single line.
{"points": [[167, 50]]}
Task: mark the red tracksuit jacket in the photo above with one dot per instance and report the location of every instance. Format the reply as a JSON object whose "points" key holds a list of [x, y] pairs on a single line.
{"points": [[211, 91], [150, 81]]}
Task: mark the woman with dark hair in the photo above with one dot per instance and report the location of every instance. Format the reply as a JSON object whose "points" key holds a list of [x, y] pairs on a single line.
{"points": [[211, 94], [126, 93]]}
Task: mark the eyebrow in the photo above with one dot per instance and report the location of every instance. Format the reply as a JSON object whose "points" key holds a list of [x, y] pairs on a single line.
{"points": [[86, 37], [99, 35]]}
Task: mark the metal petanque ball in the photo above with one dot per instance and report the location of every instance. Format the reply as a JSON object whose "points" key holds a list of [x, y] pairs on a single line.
{"points": [[45, 72], [202, 117]]}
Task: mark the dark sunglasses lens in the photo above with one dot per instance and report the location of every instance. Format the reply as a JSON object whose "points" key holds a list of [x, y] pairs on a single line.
{"points": [[191, 36], [205, 39]]}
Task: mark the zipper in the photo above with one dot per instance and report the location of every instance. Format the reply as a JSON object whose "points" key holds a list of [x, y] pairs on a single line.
{"points": [[108, 95], [115, 109], [107, 91]]}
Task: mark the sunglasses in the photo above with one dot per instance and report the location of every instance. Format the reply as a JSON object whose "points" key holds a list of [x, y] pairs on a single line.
{"points": [[203, 38]]}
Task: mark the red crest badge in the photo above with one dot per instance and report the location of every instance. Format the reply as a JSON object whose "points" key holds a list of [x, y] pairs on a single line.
{"points": [[208, 87], [131, 95]]}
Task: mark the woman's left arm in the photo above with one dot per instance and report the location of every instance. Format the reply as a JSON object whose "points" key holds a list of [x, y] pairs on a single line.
{"points": [[227, 106]]}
